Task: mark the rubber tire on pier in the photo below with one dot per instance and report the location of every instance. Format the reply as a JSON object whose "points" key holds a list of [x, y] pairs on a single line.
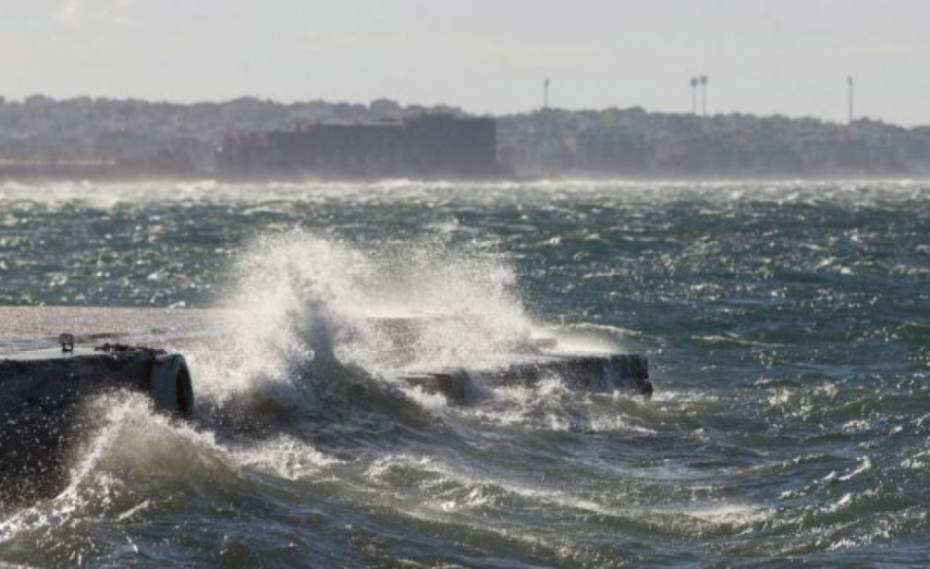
{"points": [[170, 385]]}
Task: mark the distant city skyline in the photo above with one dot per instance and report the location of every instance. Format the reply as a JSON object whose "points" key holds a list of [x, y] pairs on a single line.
{"points": [[790, 57]]}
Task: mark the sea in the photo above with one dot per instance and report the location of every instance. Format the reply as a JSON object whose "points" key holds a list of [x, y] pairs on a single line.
{"points": [[786, 325]]}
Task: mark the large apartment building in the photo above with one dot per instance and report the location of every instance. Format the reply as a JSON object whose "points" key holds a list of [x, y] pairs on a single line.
{"points": [[424, 145]]}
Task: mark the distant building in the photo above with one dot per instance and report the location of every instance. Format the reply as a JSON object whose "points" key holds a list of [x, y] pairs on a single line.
{"points": [[426, 145], [611, 151]]}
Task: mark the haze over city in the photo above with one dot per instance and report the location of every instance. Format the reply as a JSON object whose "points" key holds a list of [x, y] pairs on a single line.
{"points": [[790, 57]]}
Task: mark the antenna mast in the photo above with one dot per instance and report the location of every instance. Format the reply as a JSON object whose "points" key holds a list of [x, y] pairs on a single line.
{"points": [[694, 84], [852, 92], [703, 80]]}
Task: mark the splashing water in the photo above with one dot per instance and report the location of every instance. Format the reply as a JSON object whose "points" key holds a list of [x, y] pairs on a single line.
{"points": [[783, 324], [298, 298]]}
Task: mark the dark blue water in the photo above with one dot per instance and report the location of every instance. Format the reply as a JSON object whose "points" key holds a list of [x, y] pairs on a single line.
{"points": [[787, 327]]}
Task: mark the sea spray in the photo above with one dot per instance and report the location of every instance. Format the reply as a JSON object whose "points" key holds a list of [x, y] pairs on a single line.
{"points": [[300, 301], [298, 296]]}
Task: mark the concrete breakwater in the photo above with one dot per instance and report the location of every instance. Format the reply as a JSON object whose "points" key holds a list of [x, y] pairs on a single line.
{"points": [[44, 390], [42, 413]]}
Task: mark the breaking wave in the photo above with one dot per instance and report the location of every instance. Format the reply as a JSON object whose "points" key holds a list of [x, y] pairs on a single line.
{"points": [[782, 321]]}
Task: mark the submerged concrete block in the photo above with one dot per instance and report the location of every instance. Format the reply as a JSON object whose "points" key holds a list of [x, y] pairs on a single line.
{"points": [[625, 372]]}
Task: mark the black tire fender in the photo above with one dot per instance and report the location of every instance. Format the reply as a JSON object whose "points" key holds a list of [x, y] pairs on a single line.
{"points": [[170, 385]]}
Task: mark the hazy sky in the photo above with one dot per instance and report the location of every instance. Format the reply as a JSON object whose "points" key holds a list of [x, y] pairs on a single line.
{"points": [[488, 56]]}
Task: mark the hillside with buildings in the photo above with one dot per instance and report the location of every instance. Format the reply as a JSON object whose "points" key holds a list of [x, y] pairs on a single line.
{"points": [[97, 137], [636, 143]]}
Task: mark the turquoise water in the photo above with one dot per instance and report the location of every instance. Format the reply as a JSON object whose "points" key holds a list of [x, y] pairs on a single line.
{"points": [[787, 327]]}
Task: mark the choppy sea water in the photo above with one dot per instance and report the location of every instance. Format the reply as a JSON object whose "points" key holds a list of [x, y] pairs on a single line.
{"points": [[787, 327]]}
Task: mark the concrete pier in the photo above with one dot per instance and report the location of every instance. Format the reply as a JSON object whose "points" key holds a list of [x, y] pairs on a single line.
{"points": [[43, 389]]}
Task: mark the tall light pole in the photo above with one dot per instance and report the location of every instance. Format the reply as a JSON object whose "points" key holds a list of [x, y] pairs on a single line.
{"points": [[694, 84], [852, 92], [703, 80], [546, 93]]}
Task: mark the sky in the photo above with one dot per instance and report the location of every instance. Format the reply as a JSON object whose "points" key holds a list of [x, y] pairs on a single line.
{"points": [[790, 57]]}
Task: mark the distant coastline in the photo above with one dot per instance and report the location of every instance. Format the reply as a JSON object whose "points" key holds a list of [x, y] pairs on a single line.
{"points": [[111, 139]]}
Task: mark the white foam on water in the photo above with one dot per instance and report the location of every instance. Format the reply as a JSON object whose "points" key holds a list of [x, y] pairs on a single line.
{"points": [[107, 196], [285, 457], [441, 491], [435, 402], [729, 513]]}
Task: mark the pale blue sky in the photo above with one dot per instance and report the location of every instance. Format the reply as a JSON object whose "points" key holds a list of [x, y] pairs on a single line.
{"points": [[488, 56]]}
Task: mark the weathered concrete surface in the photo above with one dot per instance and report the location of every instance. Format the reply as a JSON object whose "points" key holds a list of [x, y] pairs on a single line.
{"points": [[88, 323]]}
